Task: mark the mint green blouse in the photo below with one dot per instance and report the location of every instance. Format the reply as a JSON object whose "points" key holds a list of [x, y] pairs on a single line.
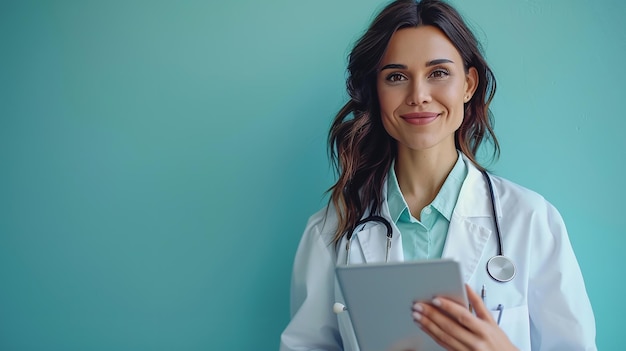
{"points": [[425, 239]]}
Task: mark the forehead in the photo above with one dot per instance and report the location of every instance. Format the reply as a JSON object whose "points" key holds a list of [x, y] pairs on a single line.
{"points": [[419, 45]]}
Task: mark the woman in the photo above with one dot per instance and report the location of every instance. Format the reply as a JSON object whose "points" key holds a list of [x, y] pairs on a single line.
{"points": [[405, 149]]}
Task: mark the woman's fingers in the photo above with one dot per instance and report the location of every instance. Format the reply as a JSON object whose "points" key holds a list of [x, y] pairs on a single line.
{"points": [[454, 327], [459, 313], [442, 328]]}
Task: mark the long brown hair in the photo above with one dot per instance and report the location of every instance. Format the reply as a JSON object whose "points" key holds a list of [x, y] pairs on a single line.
{"points": [[360, 149]]}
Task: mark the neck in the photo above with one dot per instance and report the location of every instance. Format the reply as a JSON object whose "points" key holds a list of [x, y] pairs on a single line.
{"points": [[421, 174]]}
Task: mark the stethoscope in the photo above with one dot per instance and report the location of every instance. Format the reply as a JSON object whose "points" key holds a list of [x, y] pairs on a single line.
{"points": [[499, 267]]}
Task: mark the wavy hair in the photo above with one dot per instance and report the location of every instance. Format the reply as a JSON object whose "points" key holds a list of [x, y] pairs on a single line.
{"points": [[360, 149]]}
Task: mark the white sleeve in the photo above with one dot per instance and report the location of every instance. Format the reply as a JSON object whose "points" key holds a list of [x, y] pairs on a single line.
{"points": [[561, 317], [313, 324]]}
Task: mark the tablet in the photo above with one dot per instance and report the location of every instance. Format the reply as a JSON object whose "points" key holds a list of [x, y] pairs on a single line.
{"points": [[379, 297]]}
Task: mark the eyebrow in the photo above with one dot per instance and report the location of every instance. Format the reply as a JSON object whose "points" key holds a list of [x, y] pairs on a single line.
{"points": [[428, 64], [393, 66]]}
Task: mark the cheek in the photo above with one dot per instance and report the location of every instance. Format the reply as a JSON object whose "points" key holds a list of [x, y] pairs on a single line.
{"points": [[387, 107], [452, 98], [383, 98], [453, 95], [389, 100]]}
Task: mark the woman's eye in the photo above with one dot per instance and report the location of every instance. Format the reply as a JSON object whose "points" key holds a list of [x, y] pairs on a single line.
{"points": [[439, 74], [395, 77]]}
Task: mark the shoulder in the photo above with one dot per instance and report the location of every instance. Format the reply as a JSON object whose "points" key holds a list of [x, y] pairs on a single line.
{"points": [[525, 202], [511, 198], [518, 206], [321, 226], [513, 194], [525, 208]]}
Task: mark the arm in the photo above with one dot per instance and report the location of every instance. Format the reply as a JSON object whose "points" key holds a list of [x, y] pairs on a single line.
{"points": [[313, 325], [560, 312]]}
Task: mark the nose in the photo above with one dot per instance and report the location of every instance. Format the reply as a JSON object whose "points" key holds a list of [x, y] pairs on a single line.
{"points": [[418, 94]]}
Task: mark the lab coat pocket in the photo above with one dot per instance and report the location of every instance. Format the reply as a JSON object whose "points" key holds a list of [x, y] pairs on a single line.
{"points": [[515, 322]]}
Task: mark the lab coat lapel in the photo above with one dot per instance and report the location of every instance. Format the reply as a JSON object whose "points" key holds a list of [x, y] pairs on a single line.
{"points": [[467, 233], [465, 244]]}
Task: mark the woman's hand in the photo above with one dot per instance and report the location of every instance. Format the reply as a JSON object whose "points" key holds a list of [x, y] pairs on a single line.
{"points": [[456, 329]]}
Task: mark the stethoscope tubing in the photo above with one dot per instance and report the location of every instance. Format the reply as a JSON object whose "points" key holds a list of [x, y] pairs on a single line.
{"points": [[499, 267], [493, 209]]}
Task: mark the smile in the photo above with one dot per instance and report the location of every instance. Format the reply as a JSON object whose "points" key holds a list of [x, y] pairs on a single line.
{"points": [[419, 118]]}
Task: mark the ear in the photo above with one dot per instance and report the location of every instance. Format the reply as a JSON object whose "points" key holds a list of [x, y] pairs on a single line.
{"points": [[471, 84]]}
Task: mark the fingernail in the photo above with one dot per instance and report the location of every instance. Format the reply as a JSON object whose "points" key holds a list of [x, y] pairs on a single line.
{"points": [[436, 302], [417, 316], [418, 307]]}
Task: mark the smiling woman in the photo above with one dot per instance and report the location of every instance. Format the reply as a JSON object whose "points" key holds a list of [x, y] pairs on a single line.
{"points": [[404, 147], [422, 87]]}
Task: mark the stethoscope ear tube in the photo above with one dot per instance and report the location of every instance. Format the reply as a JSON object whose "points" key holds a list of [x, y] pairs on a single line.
{"points": [[378, 219]]}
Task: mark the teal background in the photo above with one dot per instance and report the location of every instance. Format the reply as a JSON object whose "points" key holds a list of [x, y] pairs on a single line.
{"points": [[159, 159]]}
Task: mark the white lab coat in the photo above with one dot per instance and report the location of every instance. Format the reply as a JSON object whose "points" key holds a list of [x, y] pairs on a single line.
{"points": [[545, 306]]}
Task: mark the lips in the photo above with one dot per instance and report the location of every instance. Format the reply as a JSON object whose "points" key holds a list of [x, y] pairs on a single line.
{"points": [[420, 118]]}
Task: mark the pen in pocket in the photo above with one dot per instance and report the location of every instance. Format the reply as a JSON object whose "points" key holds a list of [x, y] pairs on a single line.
{"points": [[500, 309]]}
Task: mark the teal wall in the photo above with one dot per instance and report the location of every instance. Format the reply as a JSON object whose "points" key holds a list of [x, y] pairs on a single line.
{"points": [[159, 159]]}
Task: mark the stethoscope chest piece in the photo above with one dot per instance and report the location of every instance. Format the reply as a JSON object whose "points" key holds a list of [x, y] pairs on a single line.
{"points": [[501, 268]]}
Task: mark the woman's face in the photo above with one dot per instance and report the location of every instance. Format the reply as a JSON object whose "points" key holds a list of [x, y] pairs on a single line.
{"points": [[422, 86]]}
